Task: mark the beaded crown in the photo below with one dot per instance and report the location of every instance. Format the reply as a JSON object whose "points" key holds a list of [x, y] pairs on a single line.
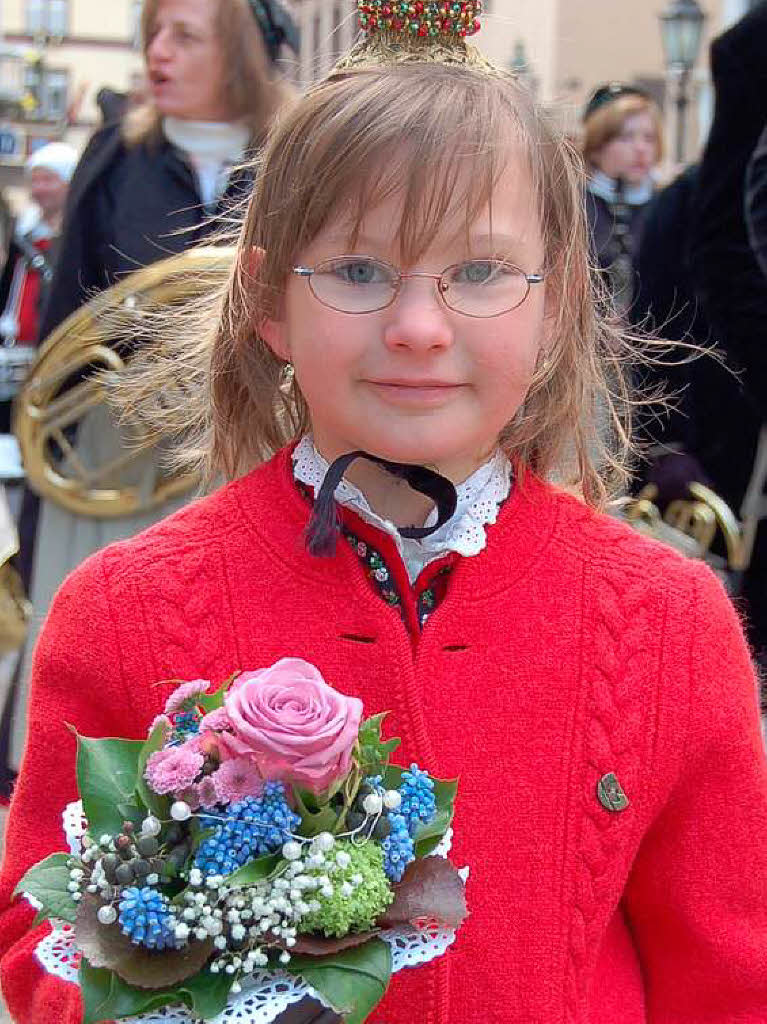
{"points": [[422, 31]]}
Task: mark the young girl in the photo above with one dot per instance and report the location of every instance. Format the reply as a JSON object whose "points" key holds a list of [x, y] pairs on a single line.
{"points": [[415, 251]]}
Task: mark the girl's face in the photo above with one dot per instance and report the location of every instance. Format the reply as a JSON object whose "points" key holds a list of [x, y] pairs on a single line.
{"points": [[185, 61], [417, 382], [633, 153]]}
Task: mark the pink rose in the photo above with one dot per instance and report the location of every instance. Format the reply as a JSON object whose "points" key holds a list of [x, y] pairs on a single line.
{"points": [[296, 727]]}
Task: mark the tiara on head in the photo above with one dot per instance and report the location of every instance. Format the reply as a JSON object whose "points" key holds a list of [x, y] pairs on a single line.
{"points": [[417, 31], [421, 18]]}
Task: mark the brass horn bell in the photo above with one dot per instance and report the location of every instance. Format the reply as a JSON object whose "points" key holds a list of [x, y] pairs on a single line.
{"points": [[64, 389]]}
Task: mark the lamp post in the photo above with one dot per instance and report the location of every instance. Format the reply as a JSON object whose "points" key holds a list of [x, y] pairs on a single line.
{"points": [[681, 26]]}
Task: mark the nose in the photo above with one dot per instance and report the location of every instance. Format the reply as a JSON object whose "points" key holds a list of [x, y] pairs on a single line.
{"points": [[419, 319], [158, 48]]}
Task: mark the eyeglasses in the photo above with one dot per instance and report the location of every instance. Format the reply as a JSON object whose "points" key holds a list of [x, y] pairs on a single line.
{"points": [[361, 284]]}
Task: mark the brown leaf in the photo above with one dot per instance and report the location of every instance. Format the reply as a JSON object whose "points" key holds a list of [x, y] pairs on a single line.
{"points": [[106, 946], [431, 888]]}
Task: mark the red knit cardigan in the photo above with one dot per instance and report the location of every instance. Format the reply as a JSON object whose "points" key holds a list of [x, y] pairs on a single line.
{"points": [[567, 649]]}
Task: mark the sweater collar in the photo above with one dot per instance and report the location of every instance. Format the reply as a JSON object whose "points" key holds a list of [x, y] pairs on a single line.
{"points": [[607, 188], [278, 514], [221, 142]]}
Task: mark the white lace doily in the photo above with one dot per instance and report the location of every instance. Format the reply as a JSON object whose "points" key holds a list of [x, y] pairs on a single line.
{"points": [[479, 498], [264, 995]]}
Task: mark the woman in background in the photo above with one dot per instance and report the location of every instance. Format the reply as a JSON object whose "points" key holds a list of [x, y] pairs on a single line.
{"points": [[622, 144], [166, 177]]}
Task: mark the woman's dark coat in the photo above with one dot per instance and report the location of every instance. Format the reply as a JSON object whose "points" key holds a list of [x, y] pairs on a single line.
{"points": [[128, 207]]}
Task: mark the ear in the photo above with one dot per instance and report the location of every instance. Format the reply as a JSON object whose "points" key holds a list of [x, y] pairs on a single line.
{"points": [[272, 331]]}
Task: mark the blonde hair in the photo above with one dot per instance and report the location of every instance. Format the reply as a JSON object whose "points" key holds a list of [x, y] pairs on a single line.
{"points": [[364, 135], [607, 121], [254, 91]]}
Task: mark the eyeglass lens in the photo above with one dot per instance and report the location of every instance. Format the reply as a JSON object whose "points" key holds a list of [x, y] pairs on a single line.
{"points": [[363, 285]]}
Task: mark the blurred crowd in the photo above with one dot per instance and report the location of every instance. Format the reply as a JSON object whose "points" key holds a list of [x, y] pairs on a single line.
{"points": [[686, 262]]}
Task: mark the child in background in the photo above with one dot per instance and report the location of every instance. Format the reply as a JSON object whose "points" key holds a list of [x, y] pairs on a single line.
{"points": [[412, 291]]}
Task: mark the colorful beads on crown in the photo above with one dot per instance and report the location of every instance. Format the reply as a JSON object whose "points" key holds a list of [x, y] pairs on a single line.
{"points": [[421, 18]]}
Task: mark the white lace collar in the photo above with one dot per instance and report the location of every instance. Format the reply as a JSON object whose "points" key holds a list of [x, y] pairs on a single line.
{"points": [[479, 498]]}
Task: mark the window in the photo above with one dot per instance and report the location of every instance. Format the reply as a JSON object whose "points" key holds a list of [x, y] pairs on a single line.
{"points": [[134, 28], [47, 17], [49, 87]]}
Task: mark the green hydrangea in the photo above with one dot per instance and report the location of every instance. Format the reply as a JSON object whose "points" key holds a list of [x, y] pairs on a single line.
{"points": [[360, 891]]}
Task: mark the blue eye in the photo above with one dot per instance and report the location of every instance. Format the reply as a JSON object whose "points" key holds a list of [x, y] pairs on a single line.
{"points": [[481, 272], [359, 272]]}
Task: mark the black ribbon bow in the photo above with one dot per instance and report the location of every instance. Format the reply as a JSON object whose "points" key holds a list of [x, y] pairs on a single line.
{"points": [[324, 525]]}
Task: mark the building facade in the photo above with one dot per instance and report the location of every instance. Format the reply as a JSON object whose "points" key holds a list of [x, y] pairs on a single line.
{"points": [[55, 55]]}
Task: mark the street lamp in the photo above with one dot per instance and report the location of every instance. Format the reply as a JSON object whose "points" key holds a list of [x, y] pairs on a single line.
{"points": [[681, 26]]}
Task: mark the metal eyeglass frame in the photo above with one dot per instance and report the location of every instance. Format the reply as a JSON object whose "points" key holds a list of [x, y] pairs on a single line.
{"points": [[308, 272]]}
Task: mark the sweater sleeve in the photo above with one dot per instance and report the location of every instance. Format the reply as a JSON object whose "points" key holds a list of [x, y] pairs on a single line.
{"points": [[76, 681], [697, 895]]}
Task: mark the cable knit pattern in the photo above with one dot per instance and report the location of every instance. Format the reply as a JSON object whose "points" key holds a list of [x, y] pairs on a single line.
{"points": [[568, 648], [615, 728]]}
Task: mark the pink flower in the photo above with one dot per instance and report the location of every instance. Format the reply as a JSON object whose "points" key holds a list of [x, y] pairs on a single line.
{"points": [[237, 779], [292, 724], [185, 692], [190, 795], [173, 768], [215, 720], [206, 793]]}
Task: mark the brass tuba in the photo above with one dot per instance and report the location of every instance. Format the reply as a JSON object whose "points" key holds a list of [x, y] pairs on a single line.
{"points": [[65, 387]]}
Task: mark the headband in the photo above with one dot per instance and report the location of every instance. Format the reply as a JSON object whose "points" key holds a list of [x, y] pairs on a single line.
{"points": [[608, 93], [277, 27]]}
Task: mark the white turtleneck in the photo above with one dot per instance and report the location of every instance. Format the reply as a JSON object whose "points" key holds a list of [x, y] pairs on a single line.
{"points": [[479, 498], [212, 148]]}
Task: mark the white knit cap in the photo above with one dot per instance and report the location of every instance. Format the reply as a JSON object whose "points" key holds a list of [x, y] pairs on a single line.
{"points": [[57, 157]]}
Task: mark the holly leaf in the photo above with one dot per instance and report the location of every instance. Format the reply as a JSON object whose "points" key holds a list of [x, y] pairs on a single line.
{"points": [[374, 753], [106, 997], [106, 946], [47, 882], [252, 872], [430, 889], [315, 817], [156, 804], [106, 777], [353, 981]]}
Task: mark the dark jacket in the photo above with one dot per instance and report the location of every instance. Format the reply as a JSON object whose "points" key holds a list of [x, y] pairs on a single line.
{"points": [[127, 207], [730, 283], [607, 242]]}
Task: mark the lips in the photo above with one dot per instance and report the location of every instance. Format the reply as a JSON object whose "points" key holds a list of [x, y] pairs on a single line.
{"points": [[415, 394]]}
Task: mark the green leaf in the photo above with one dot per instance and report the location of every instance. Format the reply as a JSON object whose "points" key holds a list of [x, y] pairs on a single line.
{"points": [[207, 993], [374, 753], [428, 836], [254, 871], [314, 818], [158, 805], [354, 981], [106, 778], [107, 998], [47, 882], [213, 701]]}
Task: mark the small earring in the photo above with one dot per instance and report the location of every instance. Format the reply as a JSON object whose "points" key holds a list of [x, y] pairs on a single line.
{"points": [[288, 373]]}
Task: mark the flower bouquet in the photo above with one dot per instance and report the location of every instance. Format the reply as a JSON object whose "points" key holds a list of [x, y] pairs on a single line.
{"points": [[258, 847]]}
